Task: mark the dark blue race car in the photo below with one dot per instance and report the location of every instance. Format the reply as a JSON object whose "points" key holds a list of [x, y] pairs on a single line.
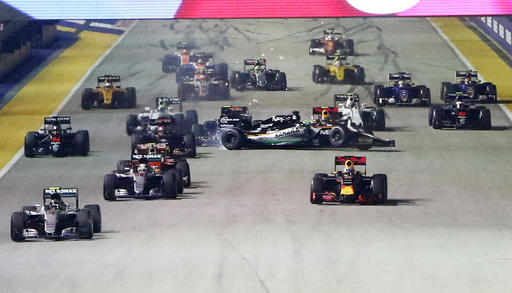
{"points": [[401, 91], [467, 82]]}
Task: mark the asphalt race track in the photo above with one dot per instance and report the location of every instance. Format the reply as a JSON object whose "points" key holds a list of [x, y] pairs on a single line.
{"points": [[247, 224]]}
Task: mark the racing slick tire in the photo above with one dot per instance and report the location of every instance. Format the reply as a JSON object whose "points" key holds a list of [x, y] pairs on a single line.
{"points": [[191, 118], [122, 165], [87, 99], [318, 74], [232, 139], [30, 144], [437, 117], [81, 143], [185, 91], [424, 95], [84, 224], [135, 140], [348, 47], [221, 71], [313, 44], [359, 74], [338, 136], [380, 119], [446, 88], [170, 63], [281, 81], [378, 92], [490, 91], [190, 145], [317, 186], [130, 98], [430, 113], [131, 123], [109, 187], [185, 172], [170, 184], [198, 130], [95, 215], [17, 226], [484, 119], [380, 188], [239, 81]]}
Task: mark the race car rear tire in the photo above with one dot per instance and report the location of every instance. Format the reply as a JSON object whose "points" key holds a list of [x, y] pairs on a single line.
{"points": [[221, 71], [17, 226], [232, 139], [378, 92], [123, 165], [318, 74], [437, 118], [30, 144], [380, 119], [96, 216], [198, 130], [312, 45], [191, 118], [430, 113], [84, 224], [109, 187], [131, 123], [135, 139], [239, 81], [425, 96], [484, 119], [317, 187], [348, 45], [281, 81], [338, 136], [82, 142], [380, 188], [446, 88], [130, 98], [490, 92], [170, 183], [190, 145], [359, 74], [87, 99], [185, 172]]}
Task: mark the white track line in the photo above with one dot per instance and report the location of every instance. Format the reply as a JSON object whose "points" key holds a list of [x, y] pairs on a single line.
{"points": [[466, 61], [19, 154]]}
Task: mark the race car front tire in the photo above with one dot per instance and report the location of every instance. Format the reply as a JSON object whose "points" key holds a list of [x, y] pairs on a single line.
{"points": [[437, 117], [232, 139], [484, 119], [338, 136], [30, 144], [185, 172], [170, 183], [348, 45], [82, 142], [380, 188], [378, 93], [221, 71], [424, 95], [130, 98], [317, 188], [190, 145], [87, 99], [359, 74], [446, 88], [84, 225], [318, 74], [109, 187], [191, 118], [17, 226], [96, 216], [131, 123], [380, 119]]}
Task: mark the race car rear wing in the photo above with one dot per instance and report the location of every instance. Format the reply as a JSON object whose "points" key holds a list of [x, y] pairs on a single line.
{"points": [[184, 46], [341, 98], [260, 61], [201, 55], [461, 74], [169, 101], [146, 157], [320, 110], [332, 57], [162, 121], [340, 160], [452, 98], [400, 76], [54, 120], [63, 191], [233, 110], [109, 78]]}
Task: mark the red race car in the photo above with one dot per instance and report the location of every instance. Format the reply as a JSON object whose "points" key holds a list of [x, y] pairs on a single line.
{"points": [[349, 185], [330, 43]]}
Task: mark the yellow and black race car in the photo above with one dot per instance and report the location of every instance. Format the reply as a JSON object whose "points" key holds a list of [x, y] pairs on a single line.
{"points": [[109, 95], [337, 69]]}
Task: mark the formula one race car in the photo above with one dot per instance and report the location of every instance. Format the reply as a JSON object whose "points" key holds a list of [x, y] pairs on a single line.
{"points": [[230, 116], [164, 107], [171, 62], [349, 108], [331, 42], [401, 91], [460, 111], [337, 69], [467, 82], [56, 218], [203, 80], [289, 130], [109, 95], [164, 129], [56, 138], [153, 172], [258, 77], [349, 185]]}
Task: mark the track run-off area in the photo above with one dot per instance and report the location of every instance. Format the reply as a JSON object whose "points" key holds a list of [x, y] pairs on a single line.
{"points": [[246, 225]]}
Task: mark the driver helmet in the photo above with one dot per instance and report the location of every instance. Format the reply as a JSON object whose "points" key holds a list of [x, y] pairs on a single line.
{"points": [[55, 129], [467, 80], [401, 83], [349, 168], [55, 200], [459, 102], [325, 116], [142, 169], [350, 102], [161, 105], [108, 85], [160, 130], [257, 67]]}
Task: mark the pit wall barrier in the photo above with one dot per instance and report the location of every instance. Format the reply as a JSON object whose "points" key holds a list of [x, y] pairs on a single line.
{"points": [[498, 28]]}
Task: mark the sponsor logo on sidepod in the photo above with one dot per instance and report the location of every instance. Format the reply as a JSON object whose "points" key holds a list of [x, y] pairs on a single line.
{"points": [[287, 132]]}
